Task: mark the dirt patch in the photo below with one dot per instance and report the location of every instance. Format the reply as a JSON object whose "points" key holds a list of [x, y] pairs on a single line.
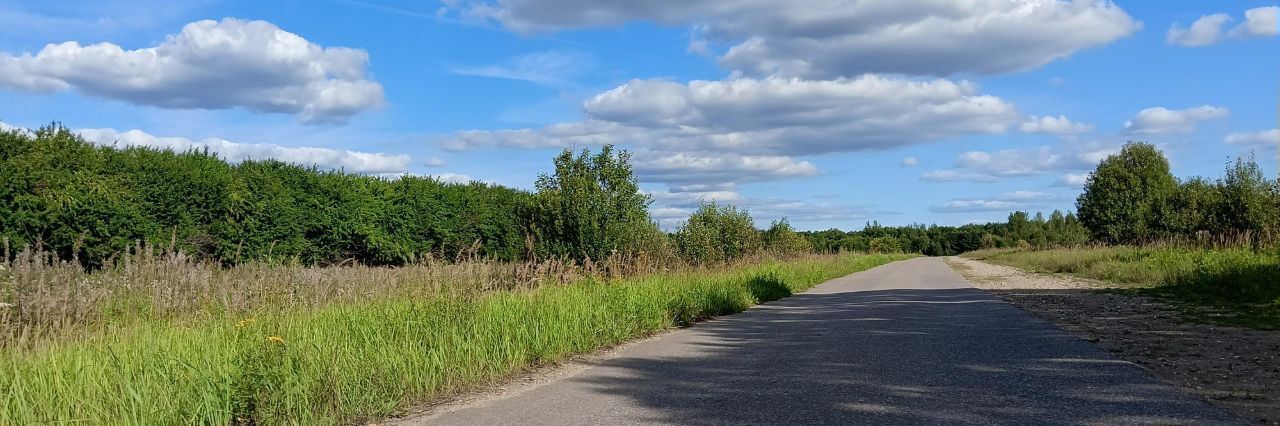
{"points": [[1237, 369]]}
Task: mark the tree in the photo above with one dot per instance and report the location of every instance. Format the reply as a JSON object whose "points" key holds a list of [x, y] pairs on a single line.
{"points": [[1195, 207], [1126, 199], [591, 206], [782, 239], [1246, 198], [717, 234]]}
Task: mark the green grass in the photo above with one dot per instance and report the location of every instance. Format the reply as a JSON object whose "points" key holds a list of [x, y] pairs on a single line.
{"points": [[1231, 286], [350, 362]]}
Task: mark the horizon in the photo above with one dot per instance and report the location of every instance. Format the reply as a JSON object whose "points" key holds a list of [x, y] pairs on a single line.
{"points": [[730, 104]]}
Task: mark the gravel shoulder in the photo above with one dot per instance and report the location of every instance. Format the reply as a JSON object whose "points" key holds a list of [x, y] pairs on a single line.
{"points": [[1237, 369]]}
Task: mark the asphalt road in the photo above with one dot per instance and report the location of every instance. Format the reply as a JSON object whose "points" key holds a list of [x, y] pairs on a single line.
{"points": [[906, 343]]}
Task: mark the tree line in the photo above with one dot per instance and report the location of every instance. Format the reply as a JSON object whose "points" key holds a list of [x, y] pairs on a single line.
{"points": [[64, 195], [1131, 198]]}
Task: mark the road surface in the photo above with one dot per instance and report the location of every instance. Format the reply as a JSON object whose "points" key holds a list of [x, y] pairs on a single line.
{"points": [[906, 343]]}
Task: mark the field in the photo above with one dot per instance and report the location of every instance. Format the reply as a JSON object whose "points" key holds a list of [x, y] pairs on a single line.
{"points": [[165, 340], [1230, 285]]}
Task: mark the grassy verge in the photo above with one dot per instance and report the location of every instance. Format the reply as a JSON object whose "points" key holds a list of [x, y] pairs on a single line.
{"points": [[352, 361], [1231, 286]]}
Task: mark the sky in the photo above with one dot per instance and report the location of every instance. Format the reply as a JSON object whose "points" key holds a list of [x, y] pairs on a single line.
{"points": [[831, 113]]}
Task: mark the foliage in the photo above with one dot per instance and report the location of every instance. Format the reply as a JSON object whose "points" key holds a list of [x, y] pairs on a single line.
{"points": [[1239, 285], [1126, 198], [715, 234], [783, 240], [91, 203], [352, 362], [591, 207], [1129, 201], [1058, 230], [884, 245]]}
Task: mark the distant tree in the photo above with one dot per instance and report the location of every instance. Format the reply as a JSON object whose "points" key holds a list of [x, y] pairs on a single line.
{"points": [[1195, 207], [885, 245], [1247, 199], [717, 233], [1126, 198], [782, 239]]}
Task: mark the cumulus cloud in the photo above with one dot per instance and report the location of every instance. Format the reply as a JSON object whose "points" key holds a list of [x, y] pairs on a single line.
{"points": [[984, 166], [1017, 200], [325, 158], [208, 65], [1259, 22], [434, 162], [910, 162], [1059, 125], [1261, 139], [830, 38], [771, 116], [1072, 180], [701, 170], [1203, 32], [1160, 120], [1211, 29]]}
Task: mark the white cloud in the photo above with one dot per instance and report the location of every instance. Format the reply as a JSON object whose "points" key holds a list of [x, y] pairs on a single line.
{"points": [[1210, 29], [208, 65], [671, 209], [830, 38], [970, 206], [1203, 32], [1072, 180], [325, 158], [1259, 22], [768, 116], [983, 166], [1160, 120], [434, 162], [685, 168], [1027, 196], [1261, 139], [550, 68], [1059, 125], [454, 178], [910, 162], [1017, 200]]}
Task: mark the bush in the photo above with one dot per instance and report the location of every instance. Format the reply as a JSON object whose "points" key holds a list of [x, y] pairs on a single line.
{"points": [[715, 234], [783, 240]]}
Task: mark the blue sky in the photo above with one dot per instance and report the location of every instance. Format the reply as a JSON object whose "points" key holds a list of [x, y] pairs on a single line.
{"points": [[829, 112]]}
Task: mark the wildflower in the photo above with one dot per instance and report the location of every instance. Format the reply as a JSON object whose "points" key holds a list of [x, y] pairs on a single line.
{"points": [[276, 339], [244, 323]]}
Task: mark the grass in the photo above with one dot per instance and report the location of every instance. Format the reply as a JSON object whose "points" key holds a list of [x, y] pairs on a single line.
{"points": [[344, 359], [1234, 286]]}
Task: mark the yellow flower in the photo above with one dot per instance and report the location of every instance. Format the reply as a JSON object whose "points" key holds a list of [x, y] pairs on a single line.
{"points": [[244, 323], [275, 339]]}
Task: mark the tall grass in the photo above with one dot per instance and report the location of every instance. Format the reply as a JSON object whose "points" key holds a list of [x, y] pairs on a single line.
{"points": [[277, 344], [1241, 279]]}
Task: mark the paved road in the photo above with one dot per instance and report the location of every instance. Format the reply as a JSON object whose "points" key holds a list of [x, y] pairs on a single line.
{"points": [[907, 343]]}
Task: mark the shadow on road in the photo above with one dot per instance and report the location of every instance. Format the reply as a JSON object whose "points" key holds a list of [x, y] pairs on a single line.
{"points": [[893, 357]]}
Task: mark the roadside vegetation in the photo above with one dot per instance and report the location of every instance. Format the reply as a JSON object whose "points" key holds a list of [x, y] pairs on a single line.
{"points": [[142, 286], [1209, 246], [259, 344]]}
